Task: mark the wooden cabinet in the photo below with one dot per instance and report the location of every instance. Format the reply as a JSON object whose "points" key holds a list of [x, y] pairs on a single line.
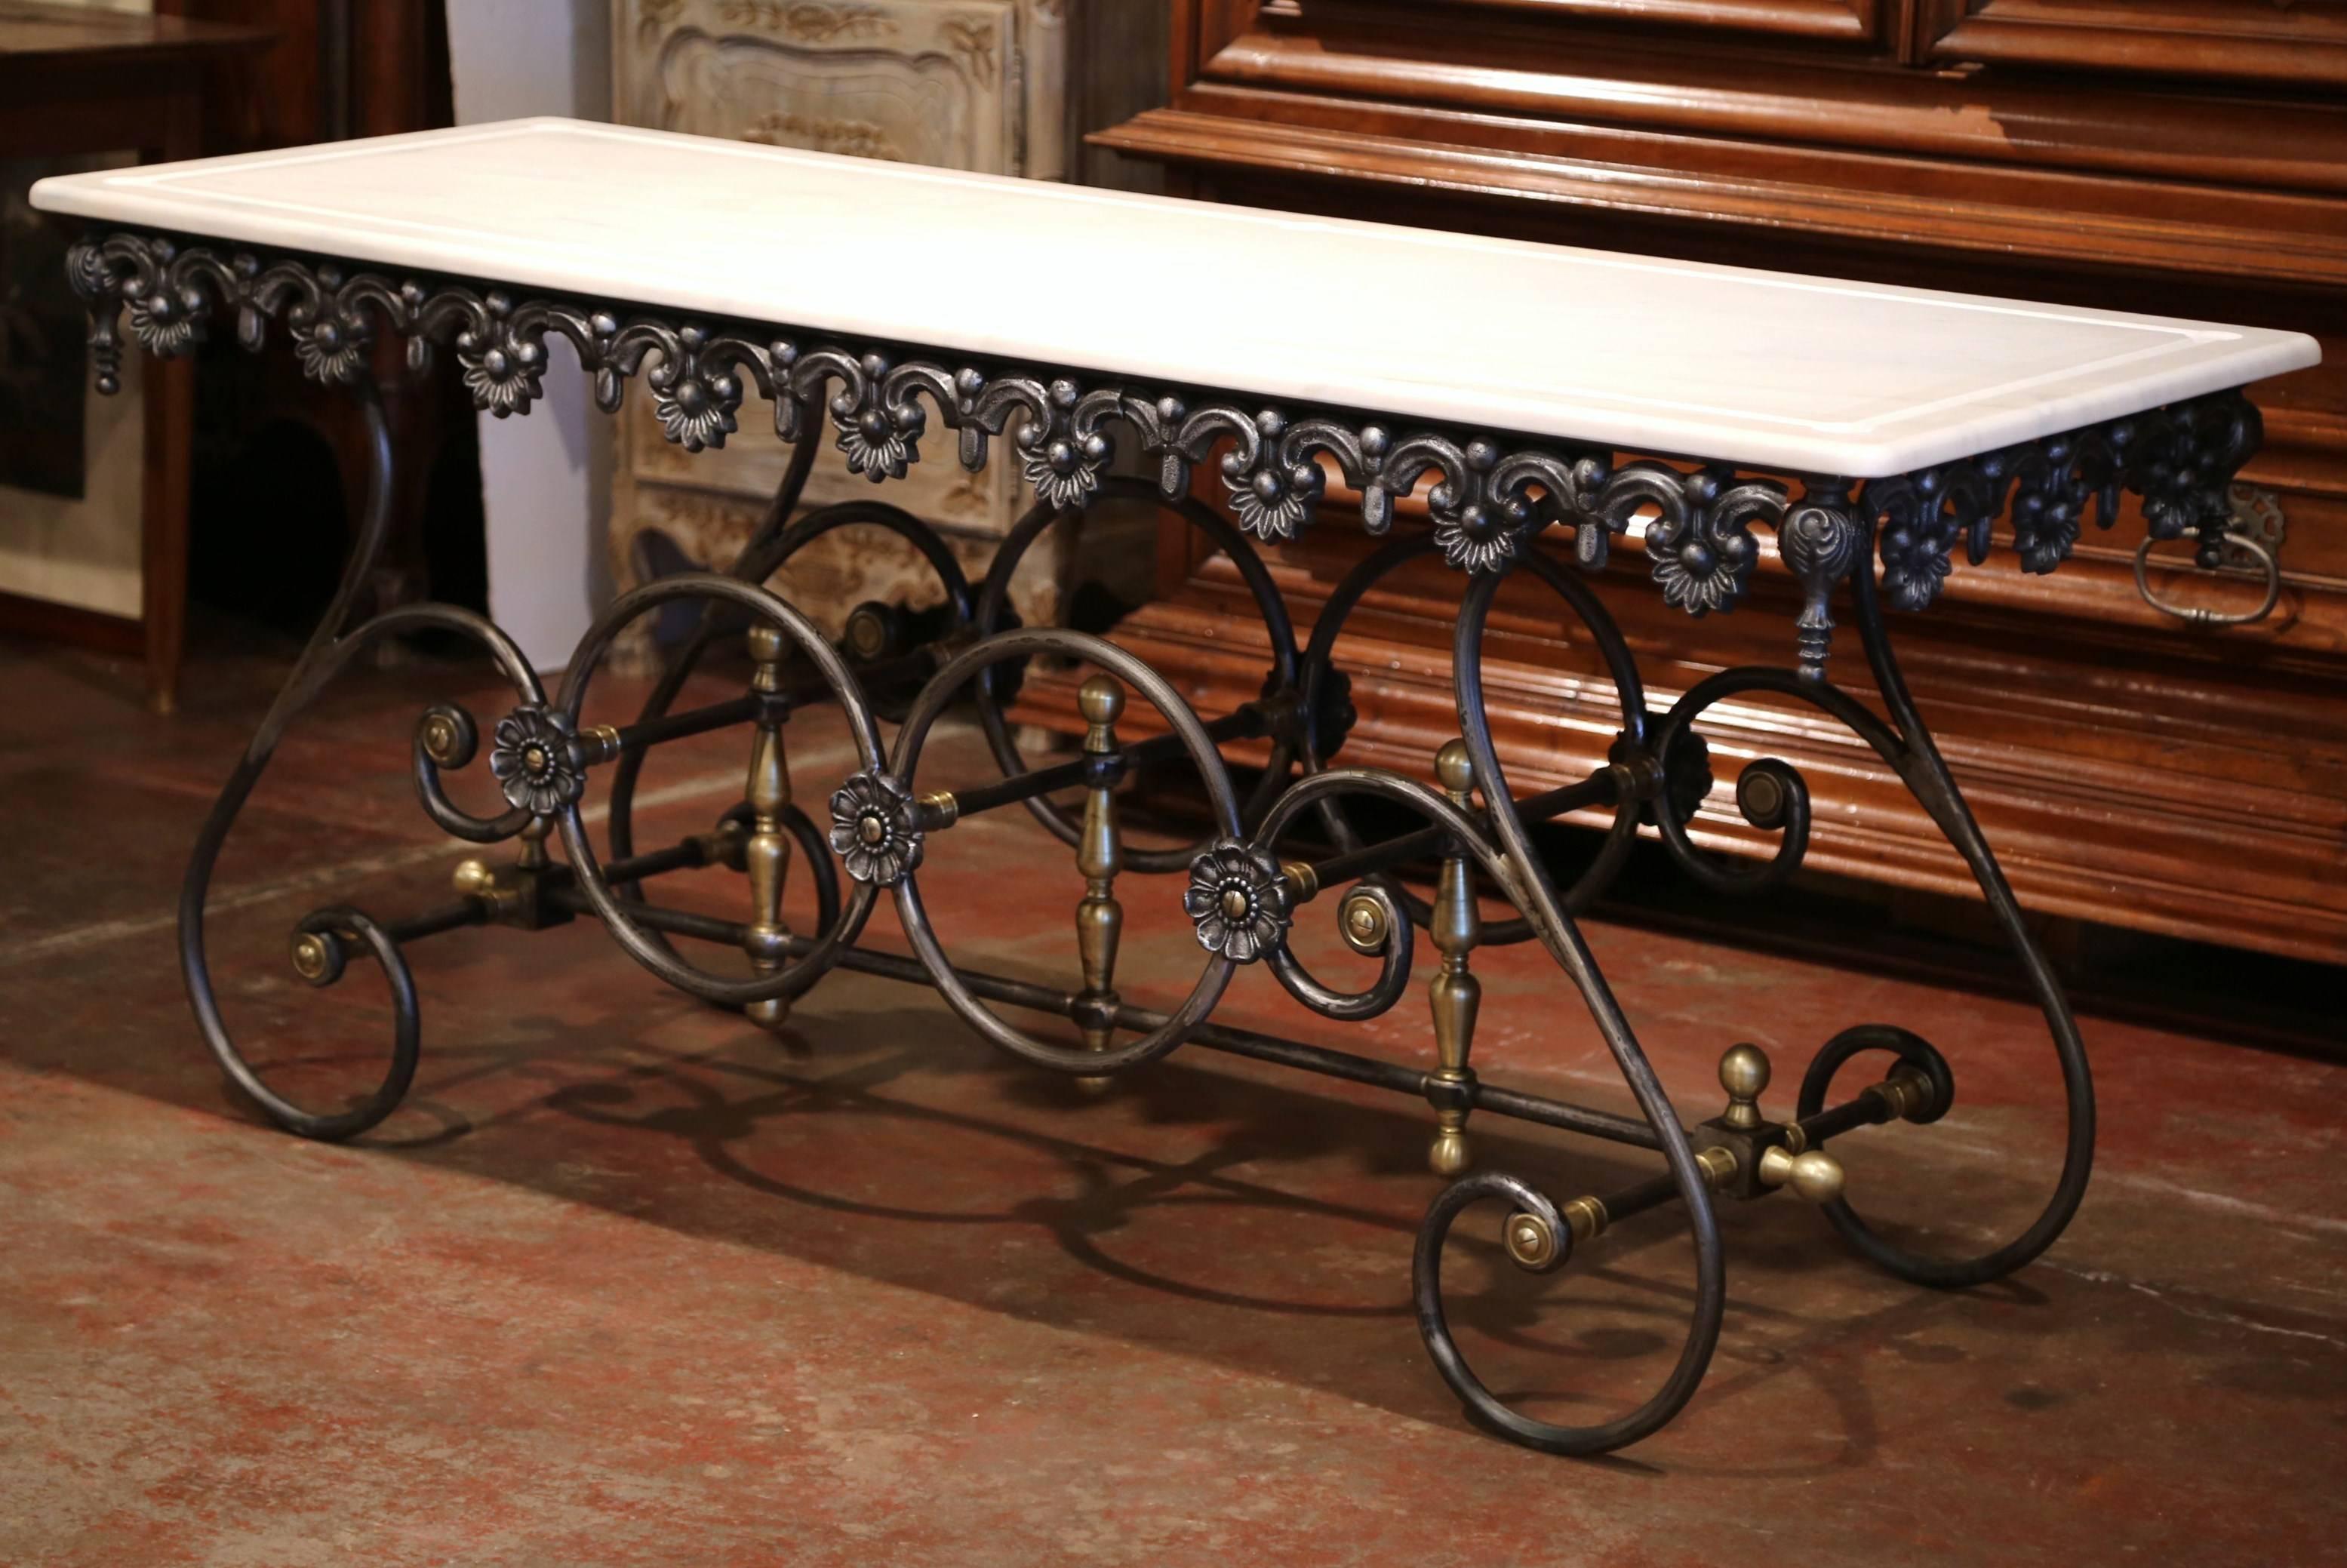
{"points": [[2180, 155]]}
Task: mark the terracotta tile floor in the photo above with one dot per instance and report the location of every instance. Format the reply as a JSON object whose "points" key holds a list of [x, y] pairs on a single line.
{"points": [[627, 1281]]}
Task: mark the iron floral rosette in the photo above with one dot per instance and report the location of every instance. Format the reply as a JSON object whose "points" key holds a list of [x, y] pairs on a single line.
{"points": [[530, 756], [873, 829], [1238, 899]]}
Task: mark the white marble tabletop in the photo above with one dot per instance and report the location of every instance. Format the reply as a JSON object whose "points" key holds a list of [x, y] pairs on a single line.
{"points": [[1769, 369]]}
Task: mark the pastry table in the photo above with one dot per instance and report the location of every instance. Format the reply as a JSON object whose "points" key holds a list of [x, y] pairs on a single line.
{"points": [[1871, 432]]}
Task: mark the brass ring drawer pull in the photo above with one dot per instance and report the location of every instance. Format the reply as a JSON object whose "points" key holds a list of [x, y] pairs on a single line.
{"points": [[2251, 542]]}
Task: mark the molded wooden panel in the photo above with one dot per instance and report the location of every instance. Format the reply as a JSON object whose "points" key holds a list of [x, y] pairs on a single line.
{"points": [[1847, 20], [1767, 197], [1502, 84], [2261, 40]]}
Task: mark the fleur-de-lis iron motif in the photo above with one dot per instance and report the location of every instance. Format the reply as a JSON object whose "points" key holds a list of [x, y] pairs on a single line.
{"points": [[501, 362], [1489, 495]]}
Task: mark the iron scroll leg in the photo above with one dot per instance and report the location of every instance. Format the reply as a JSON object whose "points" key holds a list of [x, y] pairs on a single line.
{"points": [[1926, 775], [1538, 1234], [445, 736], [1919, 1086]]}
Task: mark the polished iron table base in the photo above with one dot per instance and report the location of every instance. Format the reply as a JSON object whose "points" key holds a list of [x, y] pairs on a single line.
{"points": [[1891, 538]]}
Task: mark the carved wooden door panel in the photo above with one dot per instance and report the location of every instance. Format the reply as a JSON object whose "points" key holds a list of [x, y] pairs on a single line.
{"points": [[1849, 21], [974, 85], [2301, 41]]}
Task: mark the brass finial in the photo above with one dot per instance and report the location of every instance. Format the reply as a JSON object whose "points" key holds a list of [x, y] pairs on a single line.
{"points": [[1454, 770], [474, 878], [1744, 1073], [1100, 700], [766, 643]]}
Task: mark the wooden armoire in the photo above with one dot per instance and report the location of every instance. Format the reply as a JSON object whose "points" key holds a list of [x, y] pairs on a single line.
{"points": [[2188, 157]]}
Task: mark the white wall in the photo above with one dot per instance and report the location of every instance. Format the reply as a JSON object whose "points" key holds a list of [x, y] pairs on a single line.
{"points": [[545, 476]]}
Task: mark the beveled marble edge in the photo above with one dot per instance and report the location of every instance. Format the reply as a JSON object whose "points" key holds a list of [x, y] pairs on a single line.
{"points": [[609, 249]]}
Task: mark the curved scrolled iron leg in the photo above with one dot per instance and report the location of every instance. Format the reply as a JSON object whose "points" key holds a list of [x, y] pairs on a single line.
{"points": [[1562, 937], [1920, 765], [330, 651]]}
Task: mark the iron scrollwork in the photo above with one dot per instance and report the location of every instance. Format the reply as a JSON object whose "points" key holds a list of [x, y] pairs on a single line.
{"points": [[1489, 494]]}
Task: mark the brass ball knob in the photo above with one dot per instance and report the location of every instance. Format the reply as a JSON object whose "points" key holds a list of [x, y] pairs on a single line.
{"points": [[1100, 700], [472, 877], [1815, 1177], [766, 643], [1743, 1071], [1454, 770], [1447, 1156]]}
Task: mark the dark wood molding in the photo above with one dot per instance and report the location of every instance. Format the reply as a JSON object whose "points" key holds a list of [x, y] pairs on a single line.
{"points": [[1514, 72], [1875, 199]]}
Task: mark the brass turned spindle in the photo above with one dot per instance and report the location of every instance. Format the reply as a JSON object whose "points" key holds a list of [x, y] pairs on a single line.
{"points": [[766, 854], [1455, 994], [1100, 854]]}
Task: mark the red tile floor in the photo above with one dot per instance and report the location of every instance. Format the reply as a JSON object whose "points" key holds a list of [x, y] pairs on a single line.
{"points": [[629, 1282]]}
